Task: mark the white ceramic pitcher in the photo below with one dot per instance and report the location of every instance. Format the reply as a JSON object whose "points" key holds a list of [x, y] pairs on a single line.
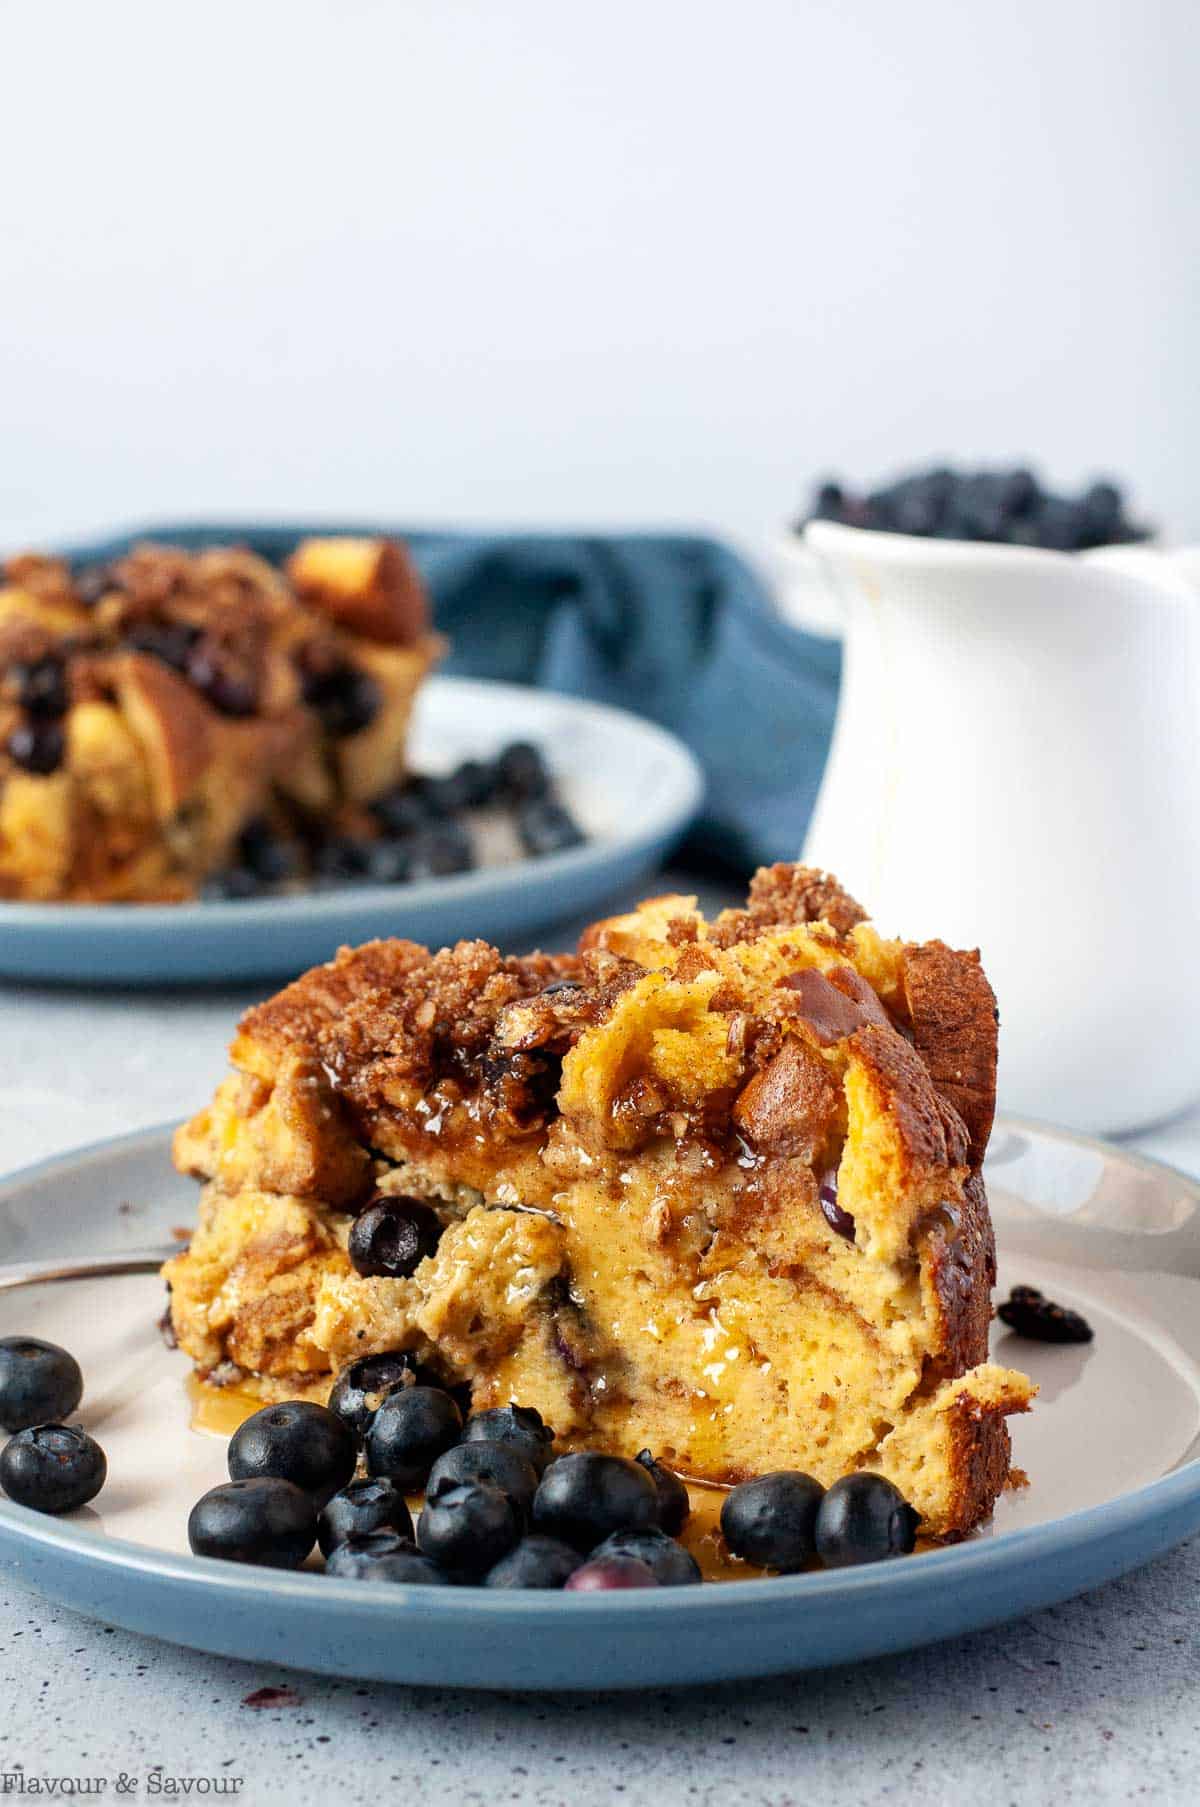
{"points": [[1015, 766]]}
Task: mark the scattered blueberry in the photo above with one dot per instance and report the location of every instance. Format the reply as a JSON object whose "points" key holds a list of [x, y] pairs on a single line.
{"points": [[402, 811], [863, 1518], [468, 1526], [37, 745], [389, 863], [536, 1562], [440, 851], [393, 1236], [673, 1502], [384, 1558], [362, 1508], [669, 1563], [270, 1522], [770, 1521], [266, 854], [297, 1441], [360, 1390], [584, 1498], [545, 827], [1030, 1313], [52, 1467], [342, 859], [39, 1383], [409, 1432], [501, 1464], [231, 886], [521, 772], [605, 1574], [520, 1426]]}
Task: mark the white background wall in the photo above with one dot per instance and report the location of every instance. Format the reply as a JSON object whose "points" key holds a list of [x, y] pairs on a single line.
{"points": [[531, 261]]}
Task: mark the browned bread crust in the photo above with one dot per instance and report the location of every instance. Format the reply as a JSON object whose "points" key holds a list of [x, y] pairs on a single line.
{"points": [[955, 1022]]}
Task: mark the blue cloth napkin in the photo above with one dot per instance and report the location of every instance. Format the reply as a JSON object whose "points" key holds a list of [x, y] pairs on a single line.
{"points": [[674, 627]]}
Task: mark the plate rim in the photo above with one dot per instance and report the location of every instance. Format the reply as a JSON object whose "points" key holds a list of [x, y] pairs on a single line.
{"points": [[982, 1558], [674, 812]]}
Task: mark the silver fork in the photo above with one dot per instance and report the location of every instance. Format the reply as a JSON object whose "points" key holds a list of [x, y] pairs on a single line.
{"points": [[88, 1267]]}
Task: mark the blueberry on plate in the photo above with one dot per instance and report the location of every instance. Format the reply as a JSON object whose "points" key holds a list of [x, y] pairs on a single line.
{"points": [[361, 1508], [440, 851], [536, 1562], [673, 1502], [39, 1382], [297, 1441], [863, 1518], [403, 811], [584, 1498], [668, 1561], [52, 1467], [409, 1432], [384, 1558], [233, 885], [342, 860], [389, 863], [545, 827], [520, 1426], [468, 1526], [360, 1390], [521, 772], [605, 1574], [392, 1237], [770, 1521], [41, 686], [269, 1522], [501, 1464]]}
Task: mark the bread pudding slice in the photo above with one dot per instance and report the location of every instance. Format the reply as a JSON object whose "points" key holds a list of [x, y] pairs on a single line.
{"points": [[708, 1187], [153, 709]]}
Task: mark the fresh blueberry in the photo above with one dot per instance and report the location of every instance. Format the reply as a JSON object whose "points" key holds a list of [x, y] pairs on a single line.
{"points": [[769, 1521], [362, 1508], [669, 1563], [52, 1468], [471, 785], [673, 1502], [402, 811], [863, 1518], [389, 862], [605, 1574], [584, 1498], [263, 852], [233, 885], [392, 1237], [536, 1562], [297, 1441], [269, 1522], [360, 1390], [467, 1527], [384, 1558], [39, 1383], [521, 772], [41, 686], [409, 1432], [519, 1426], [839, 1220], [545, 827], [37, 745], [440, 851], [342, 859], [500, 1464]]}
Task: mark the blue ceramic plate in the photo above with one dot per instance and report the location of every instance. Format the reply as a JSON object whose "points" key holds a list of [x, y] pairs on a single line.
{"points": [[632, 786], [1110, 1451]]}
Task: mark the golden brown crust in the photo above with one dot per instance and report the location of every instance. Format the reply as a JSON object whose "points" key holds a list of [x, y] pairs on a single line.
{"points": [[960, 1261], [930, 1131], [371, 587], [783, 895], [954, 1027]]}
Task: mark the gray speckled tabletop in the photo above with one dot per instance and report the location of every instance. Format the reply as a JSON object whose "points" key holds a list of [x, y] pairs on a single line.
{"points": [[1096, 1700]]}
